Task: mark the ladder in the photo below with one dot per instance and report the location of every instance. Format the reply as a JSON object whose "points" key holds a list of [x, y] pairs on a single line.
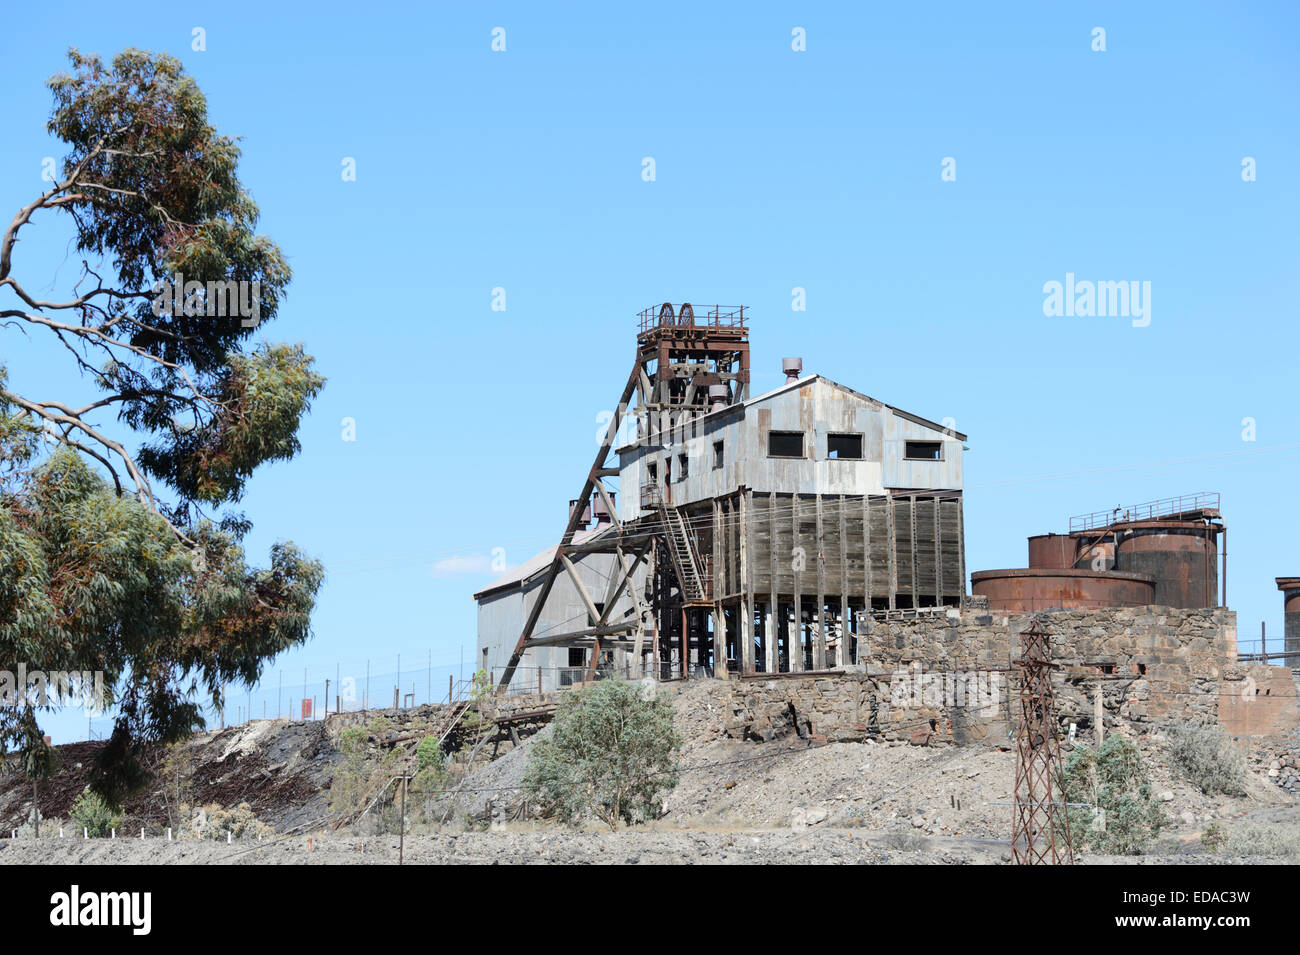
{"points": [[449, 720], [695, 585]]}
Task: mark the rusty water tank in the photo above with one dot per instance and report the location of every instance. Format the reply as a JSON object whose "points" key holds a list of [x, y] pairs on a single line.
{"points": [[1024, 590], [1094, 554], [1051, 551], [1182, 556], [1290, 587]]}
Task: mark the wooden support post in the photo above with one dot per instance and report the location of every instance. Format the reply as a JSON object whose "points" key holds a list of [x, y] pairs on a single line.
{"points": [[745, 651], [686, 642], [783, 630], [961, 548], [719, 618], [819, 612], [845, 656], [769, 638], [891, 529], [401, 836], [773, 655], [1098, 717], [912, 525], [719, 641], [867, 581], [795, 638], [938, 554]]}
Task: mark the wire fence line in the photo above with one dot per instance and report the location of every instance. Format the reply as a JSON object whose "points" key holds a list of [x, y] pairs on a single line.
{"points": [[312, 694]]}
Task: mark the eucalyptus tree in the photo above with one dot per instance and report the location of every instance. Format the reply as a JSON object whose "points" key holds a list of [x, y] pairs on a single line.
{"points": [[119, 550]]}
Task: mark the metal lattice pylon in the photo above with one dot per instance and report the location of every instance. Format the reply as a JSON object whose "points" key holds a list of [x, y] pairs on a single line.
{"points": [[1040, 832]]}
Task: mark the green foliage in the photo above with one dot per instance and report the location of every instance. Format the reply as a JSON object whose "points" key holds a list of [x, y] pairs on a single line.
{"points": [[360, 776], [1206, 756], [94, 814], [167, 197], [108, 561], [1113, 779], [431, 773], [428, 755], [611, 753], [1213, 838], [93, 580]]}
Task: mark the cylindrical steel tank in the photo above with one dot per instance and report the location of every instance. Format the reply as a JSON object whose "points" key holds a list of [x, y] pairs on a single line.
{"points": [[1093, 554], [1024, 590], [1051, 551], [1290, 587], [1182, 556]]}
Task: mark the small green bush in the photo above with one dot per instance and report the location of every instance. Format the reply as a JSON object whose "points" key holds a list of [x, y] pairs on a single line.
{"points": [[92, 813], [611, 753], [1208, 759], [428, 755], [431, 772], [1113, 779], [1214, 838]]}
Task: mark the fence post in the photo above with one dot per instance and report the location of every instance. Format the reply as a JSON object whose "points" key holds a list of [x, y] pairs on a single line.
{"points": [[401, 825]]}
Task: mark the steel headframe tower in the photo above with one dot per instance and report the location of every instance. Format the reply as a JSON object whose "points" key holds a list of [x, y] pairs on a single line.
{"points": [[1040, 832], [687, 364]]}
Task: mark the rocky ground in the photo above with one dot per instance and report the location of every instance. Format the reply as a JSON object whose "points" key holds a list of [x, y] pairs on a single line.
{"points": [[789, 800]]}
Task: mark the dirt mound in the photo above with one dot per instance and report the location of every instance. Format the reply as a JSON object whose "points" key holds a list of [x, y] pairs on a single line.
{"points": [[280, 768]]}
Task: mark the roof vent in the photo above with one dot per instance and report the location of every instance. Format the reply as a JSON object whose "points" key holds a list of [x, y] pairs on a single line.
{"points": [[585, 519], [719, 396], [600, 511], [792, 368]]}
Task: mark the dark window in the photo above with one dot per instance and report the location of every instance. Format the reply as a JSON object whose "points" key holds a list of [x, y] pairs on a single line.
{"points": [[682, 467], [844, 445], [577, 657], [668, 470], [785, 444], [653, 472], [924, 451], [717, 454]]}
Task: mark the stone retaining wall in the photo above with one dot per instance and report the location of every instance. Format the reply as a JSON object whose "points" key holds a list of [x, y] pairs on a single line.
{"points": [[951, 677]]}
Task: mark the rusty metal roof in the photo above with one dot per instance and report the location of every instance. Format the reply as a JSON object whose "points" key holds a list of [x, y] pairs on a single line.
{"points": [[807, 380], [538, 563]]}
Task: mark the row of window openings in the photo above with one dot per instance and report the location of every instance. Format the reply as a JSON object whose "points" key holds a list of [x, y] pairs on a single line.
{"points": [[789, 444]]}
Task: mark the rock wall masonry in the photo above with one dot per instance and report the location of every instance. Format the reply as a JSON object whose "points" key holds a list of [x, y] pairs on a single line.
{"points": [[951, 677]]}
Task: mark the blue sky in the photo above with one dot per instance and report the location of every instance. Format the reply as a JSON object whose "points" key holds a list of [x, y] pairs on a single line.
{"points": [[774, 169]]}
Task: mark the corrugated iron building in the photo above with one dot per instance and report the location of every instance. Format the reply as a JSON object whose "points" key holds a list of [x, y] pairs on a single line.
{"points": [[762, 526]]}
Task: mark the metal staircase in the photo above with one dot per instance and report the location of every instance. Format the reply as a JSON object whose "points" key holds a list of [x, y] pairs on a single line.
{"points": [[686, 562]]}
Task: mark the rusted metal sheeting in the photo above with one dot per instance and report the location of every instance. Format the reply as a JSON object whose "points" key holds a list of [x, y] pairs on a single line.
{"points": [[1024, 590], [1182, 556], [1290, 587], [1052, 551]]}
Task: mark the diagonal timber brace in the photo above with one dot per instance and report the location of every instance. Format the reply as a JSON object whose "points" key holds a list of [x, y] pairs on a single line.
{"points": [[594, 476]]}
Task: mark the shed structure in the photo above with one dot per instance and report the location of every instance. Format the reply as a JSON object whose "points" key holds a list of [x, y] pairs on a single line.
{"points": [[751, 531]]}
